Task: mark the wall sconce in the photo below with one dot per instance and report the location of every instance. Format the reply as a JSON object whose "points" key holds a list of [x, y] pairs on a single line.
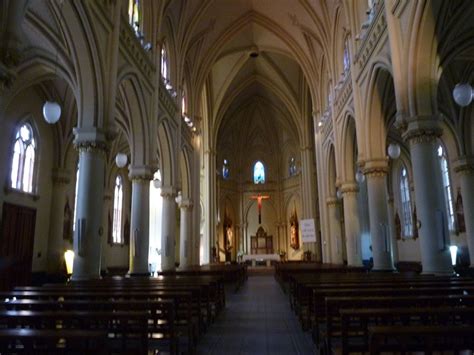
{"points": [[463, 94], [454, 253], [69, 259]]}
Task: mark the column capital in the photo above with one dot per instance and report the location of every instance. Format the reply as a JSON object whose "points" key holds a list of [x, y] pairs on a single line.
{"points": [[332, 201], [140, 173], [464, 165], [423, 129], [185, 204], [91, 139], [349, 187], [61, 176], [376, 167], [169, 192]]}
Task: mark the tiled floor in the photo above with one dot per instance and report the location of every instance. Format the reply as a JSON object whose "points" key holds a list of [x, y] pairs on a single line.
{"points": [[257, 320]]}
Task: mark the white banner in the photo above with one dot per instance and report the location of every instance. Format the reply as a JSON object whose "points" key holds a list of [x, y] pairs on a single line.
{"points": [[308, 231]]}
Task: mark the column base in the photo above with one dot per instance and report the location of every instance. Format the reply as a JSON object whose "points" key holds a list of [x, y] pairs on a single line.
{"points": [[137, 274]]}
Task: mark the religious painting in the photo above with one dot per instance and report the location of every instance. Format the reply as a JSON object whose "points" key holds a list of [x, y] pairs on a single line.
{"points": [[460, 214], [67, 223], [294, 227]]}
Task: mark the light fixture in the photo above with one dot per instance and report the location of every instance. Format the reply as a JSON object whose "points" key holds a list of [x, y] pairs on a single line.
{"points": [[156, 183], [320, 124], [69, 259], [393, 150], [338, 193], [463, 94], [121, 160], [359, 176], [454, 253], [51, 112]]}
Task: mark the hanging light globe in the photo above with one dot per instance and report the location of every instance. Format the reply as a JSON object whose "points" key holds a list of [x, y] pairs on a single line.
{"points": [[51, 112], [121, 160], [393, 151], [463, 94], [156, 183], [359, 176]]}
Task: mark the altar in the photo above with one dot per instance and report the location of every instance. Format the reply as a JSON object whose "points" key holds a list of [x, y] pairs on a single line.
{"points": [[261, 257]]}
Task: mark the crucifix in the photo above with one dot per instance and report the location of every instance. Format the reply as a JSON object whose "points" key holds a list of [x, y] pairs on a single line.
{"points": [[259, 199]]}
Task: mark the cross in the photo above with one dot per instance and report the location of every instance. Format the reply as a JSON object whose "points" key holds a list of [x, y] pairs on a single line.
{"points": [[259, 199]]}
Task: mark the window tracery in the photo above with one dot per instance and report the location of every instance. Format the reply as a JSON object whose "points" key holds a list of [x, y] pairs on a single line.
{"points": [[23, 160]]}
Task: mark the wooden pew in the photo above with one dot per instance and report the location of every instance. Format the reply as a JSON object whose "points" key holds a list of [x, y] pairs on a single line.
{"points": [[420, 338], [52, 342], [356, 322]]}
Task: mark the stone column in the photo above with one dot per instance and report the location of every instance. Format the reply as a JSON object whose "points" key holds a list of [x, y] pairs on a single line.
{"points": [[168, 228], [140, 220], [431, 211], [465, 169], [376, 173], [335, 227], [308, 196], [106, 208], [351, 223], [90, 194], [186, 207], [58, 223], [391, 225]]}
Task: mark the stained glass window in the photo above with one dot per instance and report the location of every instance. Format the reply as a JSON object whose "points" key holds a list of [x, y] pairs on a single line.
{"points": [[134, 14], [23, 159], [225, 169], [259, 173], [346, 58], [447, 185], [164, 63], [406, 204], [292, 166], [117, 235]]}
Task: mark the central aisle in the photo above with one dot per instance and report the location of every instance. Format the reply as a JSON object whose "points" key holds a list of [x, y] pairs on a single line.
{"points": [[257, 320]]}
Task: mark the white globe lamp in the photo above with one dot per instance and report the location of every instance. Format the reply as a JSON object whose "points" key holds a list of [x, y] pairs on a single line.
{"points": [[121, 160], [393, 151], [463, 94], [51, 112]]}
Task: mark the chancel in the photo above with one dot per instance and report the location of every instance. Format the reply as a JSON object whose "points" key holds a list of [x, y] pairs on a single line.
{"points": [[158, 159]]}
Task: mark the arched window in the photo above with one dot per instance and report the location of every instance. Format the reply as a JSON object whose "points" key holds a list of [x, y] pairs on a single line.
{"points": [[225, 169], [346, 61], [406, 204], [164, 63], [443, 159], [75, 197], [292, 166], [117, 235], [23, 159], [184, 108], [156, 210], [134, 14], [259, 173]]}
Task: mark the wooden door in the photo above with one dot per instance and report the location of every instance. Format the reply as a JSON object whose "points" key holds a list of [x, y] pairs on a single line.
{"points": [[16, 243]]}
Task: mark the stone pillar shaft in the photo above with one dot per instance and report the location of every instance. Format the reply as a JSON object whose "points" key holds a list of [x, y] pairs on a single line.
{"points": [[465, 169], [140, 220], [168, 229], [87, 236], [351, 224], [429, 197], [56, 230], [186, 208], [378, 212], [335, 228]]}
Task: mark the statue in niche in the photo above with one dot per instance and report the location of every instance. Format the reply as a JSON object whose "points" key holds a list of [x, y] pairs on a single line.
{"points": [[126, 232], [110, 238], [415, 224], [294, 237], [460, 213], [67, 222], [398, 227], [228, 238]]}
